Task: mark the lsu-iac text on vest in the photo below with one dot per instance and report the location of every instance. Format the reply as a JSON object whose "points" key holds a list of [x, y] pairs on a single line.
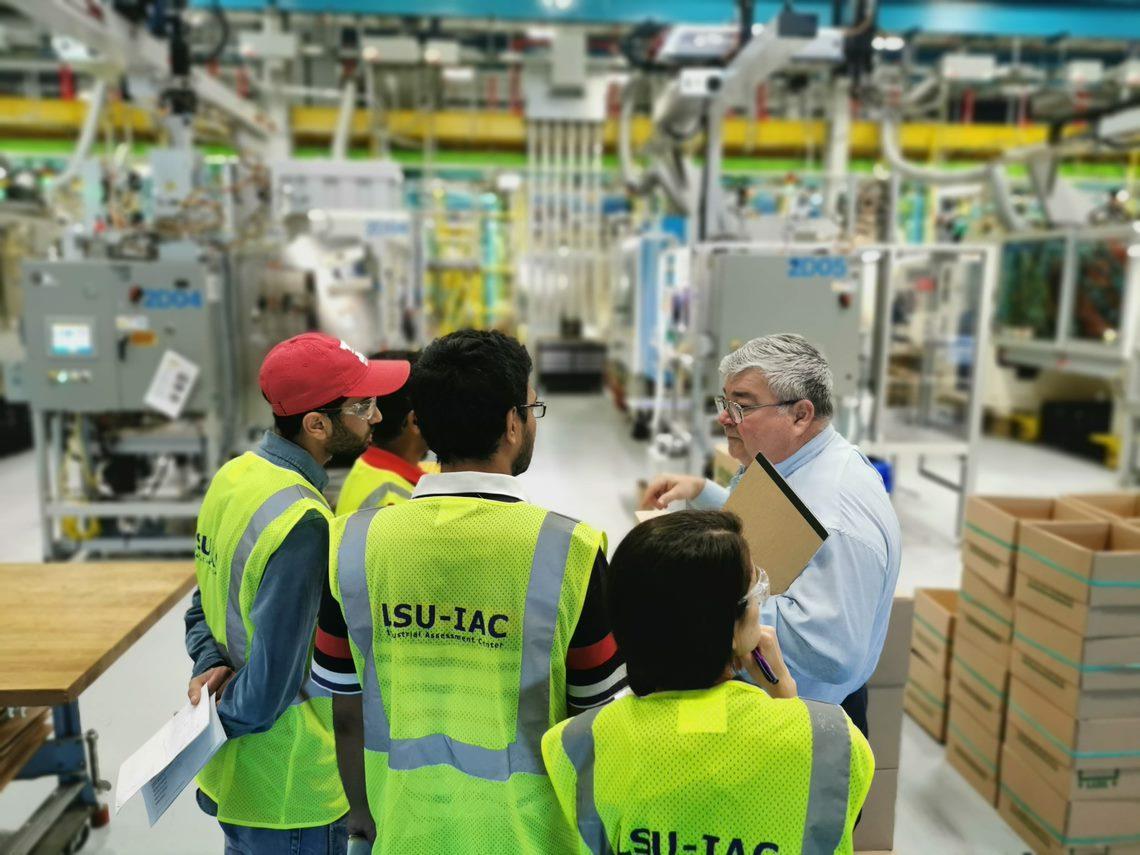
{"points": [[441, 623], [643, 841], [202, 551]]}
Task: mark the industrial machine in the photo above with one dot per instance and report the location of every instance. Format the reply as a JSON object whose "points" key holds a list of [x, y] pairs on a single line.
{"points": [[350, 230], [130, 375], [1068, 301]]}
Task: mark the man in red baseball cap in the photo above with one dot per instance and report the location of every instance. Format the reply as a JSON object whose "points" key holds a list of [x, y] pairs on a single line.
{"points": [[262, 563]]}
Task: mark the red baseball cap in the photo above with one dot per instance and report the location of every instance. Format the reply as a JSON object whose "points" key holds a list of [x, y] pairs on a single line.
{"points": [[308, 371]]}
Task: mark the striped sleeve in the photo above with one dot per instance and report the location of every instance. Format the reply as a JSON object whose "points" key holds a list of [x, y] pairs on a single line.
{"points": [[595, 668], [333, 667]]}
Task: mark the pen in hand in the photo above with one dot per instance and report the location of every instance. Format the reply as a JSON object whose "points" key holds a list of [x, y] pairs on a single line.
{"points": [[763, 665]]}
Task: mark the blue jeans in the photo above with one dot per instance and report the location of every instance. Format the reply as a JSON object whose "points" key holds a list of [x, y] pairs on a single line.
{"points": [[243, 840]]}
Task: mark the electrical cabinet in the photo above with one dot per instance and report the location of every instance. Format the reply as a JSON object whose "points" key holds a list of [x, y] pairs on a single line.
{"points": [[97, 330]]}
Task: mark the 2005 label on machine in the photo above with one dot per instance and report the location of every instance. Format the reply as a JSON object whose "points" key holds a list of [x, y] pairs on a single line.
{"points": [[811, 266]]}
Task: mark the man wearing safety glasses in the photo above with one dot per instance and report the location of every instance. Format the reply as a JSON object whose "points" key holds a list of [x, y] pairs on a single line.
{"points": [[262, 557], [832, 621]]}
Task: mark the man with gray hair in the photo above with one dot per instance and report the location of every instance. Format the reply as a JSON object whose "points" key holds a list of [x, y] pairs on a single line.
{"points": [[832, 621]]}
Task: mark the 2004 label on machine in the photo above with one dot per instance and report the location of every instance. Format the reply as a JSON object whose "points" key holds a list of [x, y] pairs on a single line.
{"points": [[812, 266], [158, 298]]}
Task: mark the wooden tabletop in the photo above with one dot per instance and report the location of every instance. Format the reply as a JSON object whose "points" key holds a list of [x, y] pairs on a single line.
{"points": [[62, 625]]}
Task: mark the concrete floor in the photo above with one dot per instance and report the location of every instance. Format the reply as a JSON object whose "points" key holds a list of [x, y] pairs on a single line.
{"points": [[585, 465]]}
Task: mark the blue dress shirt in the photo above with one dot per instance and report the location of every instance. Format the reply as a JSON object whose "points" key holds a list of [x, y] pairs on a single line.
{"points": [[832, 620]]}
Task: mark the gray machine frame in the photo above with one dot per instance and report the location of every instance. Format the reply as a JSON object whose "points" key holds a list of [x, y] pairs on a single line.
{"points": [[962, 450]]}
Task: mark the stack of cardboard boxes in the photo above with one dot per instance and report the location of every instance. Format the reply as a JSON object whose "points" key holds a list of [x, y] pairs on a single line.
{"points": [[1070, 765], [876, 830], [931, 649], [979, 676]]}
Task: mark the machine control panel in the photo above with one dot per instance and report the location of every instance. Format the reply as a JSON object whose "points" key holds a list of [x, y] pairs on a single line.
{"points": [[97, 330]]}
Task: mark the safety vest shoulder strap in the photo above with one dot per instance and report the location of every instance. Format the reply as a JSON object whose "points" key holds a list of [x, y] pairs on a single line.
{"points": [[271, 509], [394, 486], [540, 619], [830, 787], [578, 744]]}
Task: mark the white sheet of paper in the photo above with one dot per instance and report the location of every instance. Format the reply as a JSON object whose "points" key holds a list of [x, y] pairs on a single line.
{"points": [[642, 516], [170, 759], [172, 384]]}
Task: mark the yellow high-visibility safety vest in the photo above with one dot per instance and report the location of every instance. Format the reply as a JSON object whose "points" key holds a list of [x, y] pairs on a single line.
{"points": [[720, 771], [366, 486], [286, 777], [460, 612]]}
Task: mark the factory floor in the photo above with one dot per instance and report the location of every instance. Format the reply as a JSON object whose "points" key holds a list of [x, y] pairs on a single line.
{"points": [[585, 465]]}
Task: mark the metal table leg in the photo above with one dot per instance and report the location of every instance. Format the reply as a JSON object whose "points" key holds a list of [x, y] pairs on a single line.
{"points": [[71, 757]]}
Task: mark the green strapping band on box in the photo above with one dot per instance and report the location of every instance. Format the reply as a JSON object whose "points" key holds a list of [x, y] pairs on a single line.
{"points": [[966, 740], [1000, 694], [1088, 669], [1084, 580], [977, 530], [1062, 747], [927, 695], [926, 624], [1068, 841], [984, 608]]}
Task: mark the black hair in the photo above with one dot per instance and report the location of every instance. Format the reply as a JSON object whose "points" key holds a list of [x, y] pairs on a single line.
{"points": [[289, 427], [462, 388], [393, 408], [673, 592]]}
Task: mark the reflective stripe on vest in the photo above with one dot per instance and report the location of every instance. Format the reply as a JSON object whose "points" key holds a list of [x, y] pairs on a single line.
{"points": [[270, 509], [827, 797], [578, 743], [830, 778], [381, 493], [540, 616]]}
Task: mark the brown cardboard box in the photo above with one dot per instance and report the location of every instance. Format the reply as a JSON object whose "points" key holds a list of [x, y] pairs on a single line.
{"points": [[985, 616], [1109, 506], [1082, 575], [876, 830], [925, 697], [933, 636], [895, 658], [1044, 843], [980, 685], [1085, 678], [1058, 746], [1038, 748], [884, 724], [1057, 825], [991, 533], [974, 749]]}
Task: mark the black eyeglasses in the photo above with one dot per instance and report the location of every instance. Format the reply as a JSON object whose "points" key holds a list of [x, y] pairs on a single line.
{"points": [[737, 412], [539, 408]]}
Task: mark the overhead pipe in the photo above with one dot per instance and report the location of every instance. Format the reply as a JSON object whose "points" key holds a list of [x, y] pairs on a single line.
{"points": [[636, 182], [86, 136], [344, 120], [892, 153], [1003, 199], [667, 172]]}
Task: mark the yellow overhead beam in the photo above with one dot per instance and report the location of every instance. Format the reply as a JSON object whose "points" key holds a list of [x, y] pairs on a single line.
{"points": [[486, 129], [52, 117]]}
